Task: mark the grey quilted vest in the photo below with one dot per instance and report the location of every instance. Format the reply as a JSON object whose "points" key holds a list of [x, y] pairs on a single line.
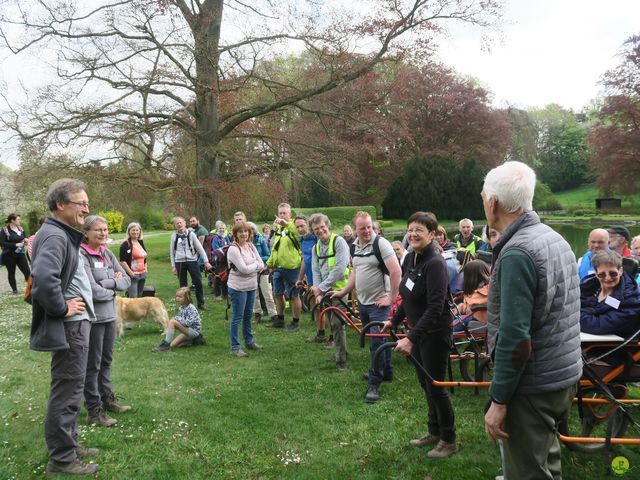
{"points": [[555, 361]]}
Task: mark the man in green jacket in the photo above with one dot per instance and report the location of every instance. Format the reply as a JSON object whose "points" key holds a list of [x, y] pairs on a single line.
{"points": [[285, 262]]}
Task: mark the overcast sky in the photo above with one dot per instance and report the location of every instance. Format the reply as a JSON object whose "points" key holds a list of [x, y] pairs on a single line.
{"points": [[549, 51]]}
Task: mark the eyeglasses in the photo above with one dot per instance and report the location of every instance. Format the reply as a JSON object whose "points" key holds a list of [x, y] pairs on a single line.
{"points": [[613, 274], [80, 204]]}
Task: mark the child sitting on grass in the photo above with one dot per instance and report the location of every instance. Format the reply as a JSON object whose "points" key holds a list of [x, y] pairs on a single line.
{"points": [[188, 322]]}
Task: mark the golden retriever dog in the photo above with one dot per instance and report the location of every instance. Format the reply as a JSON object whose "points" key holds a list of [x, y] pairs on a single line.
{"points": [[131, 311]]}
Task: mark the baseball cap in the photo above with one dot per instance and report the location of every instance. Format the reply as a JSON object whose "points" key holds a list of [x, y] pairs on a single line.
{"points": [[620, 230]]}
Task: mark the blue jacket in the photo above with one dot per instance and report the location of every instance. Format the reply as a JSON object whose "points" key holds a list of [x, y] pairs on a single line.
{"points": [[261, 246], [218, 241], [306, 244], [600, 318]]}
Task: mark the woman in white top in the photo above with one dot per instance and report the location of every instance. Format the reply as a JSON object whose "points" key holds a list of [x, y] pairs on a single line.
{"points": [[244, 263]]}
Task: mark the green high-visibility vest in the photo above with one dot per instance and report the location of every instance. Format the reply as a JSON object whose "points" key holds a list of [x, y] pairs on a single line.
{"points": [[330, 257]]}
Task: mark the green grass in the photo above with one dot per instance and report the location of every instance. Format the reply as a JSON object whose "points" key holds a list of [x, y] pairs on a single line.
{"points": [[584, 197], [282, 413]]}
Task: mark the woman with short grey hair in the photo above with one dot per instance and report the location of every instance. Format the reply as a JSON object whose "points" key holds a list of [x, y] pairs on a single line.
{"points": [[105, 276], [609, 299]]}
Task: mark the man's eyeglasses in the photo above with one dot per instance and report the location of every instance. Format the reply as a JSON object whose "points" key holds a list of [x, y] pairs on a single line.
{"points": [[80, 204], [613, 274]]}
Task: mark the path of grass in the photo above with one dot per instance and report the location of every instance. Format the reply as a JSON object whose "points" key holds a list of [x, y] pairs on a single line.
{"points": [[282, 413]]}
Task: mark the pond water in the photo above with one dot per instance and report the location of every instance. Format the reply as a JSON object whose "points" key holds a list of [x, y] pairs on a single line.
{"points": [[578, 233]]}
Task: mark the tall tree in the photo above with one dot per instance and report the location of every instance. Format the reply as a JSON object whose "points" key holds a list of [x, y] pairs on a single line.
{"points": [[562, 159], [135, 71], [616, 137]]}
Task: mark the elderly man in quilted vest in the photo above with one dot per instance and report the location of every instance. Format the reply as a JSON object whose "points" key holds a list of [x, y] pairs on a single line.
{"points": [[534, 327]]}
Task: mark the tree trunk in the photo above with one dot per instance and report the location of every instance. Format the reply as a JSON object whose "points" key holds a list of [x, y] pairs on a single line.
{"points": [[207, 38]]}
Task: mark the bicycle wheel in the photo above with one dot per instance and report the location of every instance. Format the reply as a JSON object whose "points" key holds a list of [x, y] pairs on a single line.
{"points": [[468, 366], [596, 421]]}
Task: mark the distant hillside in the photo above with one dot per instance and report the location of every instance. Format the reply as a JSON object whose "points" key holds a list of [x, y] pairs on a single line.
{"points": [[584, 197]]}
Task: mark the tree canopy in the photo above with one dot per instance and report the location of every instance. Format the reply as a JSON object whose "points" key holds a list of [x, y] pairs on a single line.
{"points": [[615, 139], [143, 80]]}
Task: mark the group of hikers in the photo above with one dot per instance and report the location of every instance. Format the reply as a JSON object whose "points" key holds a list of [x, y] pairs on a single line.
{"points": [[531, 298]]}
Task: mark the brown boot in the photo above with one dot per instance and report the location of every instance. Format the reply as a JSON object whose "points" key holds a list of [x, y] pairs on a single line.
{"points": [[443, 449], [111, 404], [97, 416], [72, 468], [426, 440]]}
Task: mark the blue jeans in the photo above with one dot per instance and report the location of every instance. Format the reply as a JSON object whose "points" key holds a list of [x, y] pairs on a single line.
{"points": [[371, 313], [241, 310]]}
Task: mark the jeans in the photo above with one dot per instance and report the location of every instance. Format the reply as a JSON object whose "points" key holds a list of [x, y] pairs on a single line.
{"points": [[97, 383], [241, 311], [371, 313], [433, 353], [196, 278], [137, 285]]}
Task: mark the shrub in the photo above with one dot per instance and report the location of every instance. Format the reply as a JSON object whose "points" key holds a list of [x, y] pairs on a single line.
{"points": [[115, 220], [149, 218], [544, 199], [339, 216]]}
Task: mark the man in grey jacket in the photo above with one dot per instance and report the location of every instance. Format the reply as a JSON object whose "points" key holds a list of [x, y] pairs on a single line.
{"points": [[184, 250], [330, 268], [62, 312], [533, 330]]}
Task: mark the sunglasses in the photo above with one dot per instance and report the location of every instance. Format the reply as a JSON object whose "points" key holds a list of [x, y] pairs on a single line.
{"points": [[613, 274]]}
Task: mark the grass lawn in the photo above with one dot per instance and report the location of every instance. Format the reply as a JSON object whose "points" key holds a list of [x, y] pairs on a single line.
{"points": [[585, 197], [282, 413]]}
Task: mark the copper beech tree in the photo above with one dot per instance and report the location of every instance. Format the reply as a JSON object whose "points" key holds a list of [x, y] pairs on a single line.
{"points": [[126, 76], [615, 140]]}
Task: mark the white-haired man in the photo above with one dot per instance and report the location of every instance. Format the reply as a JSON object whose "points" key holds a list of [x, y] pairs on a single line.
{"points": [[533, 330], [466, 238]]}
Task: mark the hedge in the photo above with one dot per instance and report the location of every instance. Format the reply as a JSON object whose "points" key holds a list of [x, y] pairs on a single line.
{"points": [[339, 216]]}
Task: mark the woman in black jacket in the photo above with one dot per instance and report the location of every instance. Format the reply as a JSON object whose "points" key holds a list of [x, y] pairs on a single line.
{"points": [[424, 292], [12, 240]]}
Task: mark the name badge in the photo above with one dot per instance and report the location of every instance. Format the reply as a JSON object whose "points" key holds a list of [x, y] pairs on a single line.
{"points": [[98, 265], [409, 284], [284, 234], [612, 302]]}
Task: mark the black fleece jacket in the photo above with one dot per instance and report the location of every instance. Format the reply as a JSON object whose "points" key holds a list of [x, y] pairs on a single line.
{"points": [[424, 290]]}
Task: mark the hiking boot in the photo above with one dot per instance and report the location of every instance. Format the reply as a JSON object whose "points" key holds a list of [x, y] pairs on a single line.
{"points": [[387, 377], [277, 323], [72, 468], [163, 347], [341, 367], [97, 416], [443, 449], [293, 327], [111, 404], [202, 307], [254, 346], [328, 345], [317, 339], [373, 394], [82, 451], [426, 440], [239, 353]]}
